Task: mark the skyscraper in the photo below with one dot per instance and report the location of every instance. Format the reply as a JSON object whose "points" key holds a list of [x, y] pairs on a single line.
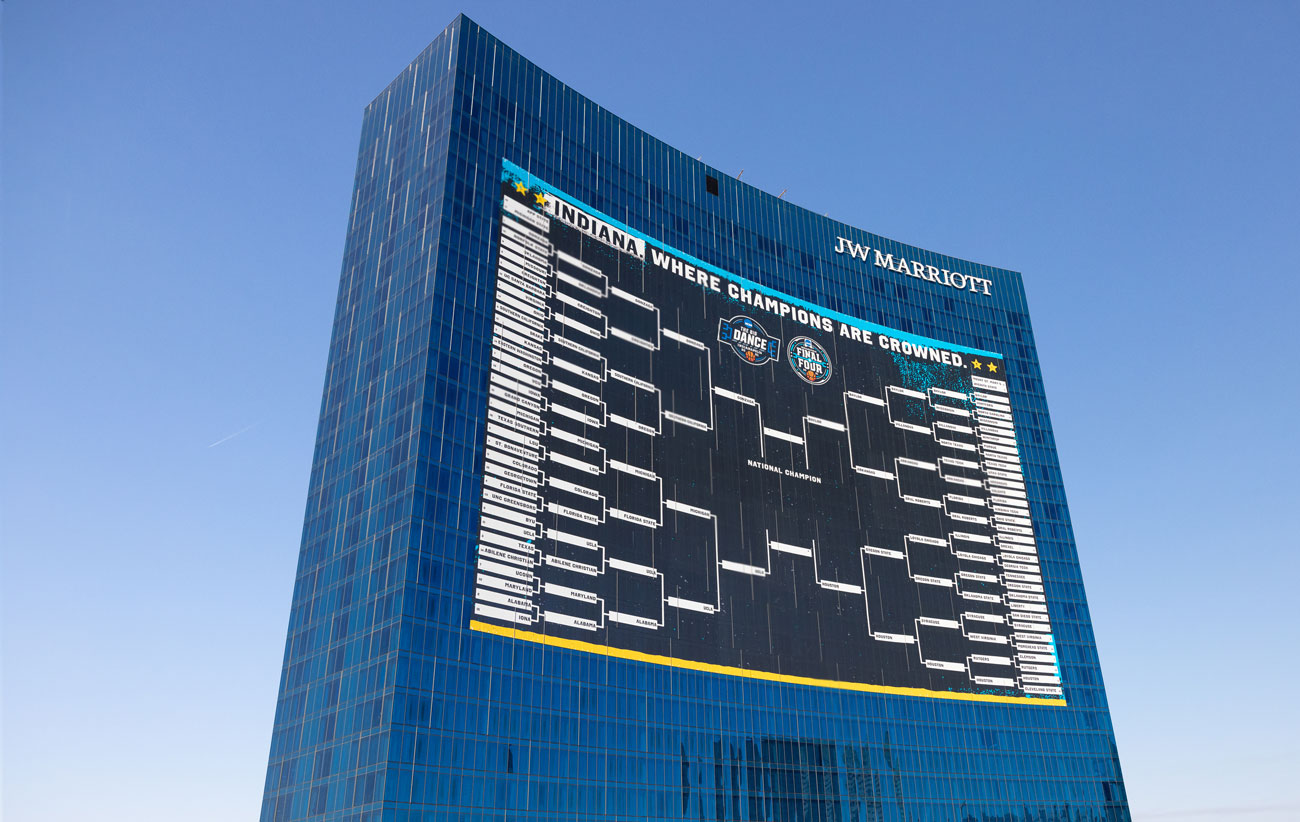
{"points": [[641, 493]]}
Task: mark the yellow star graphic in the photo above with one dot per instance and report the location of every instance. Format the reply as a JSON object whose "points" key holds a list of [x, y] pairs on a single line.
{"points": [[993, 367], [541, 199], [976, 363], [521, 188]]}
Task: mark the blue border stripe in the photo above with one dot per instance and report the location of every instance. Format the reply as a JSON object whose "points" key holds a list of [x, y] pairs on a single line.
{"points": [[509, 168]]}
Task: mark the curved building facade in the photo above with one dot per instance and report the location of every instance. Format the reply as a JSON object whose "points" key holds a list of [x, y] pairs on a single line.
{"points": [[639, 493]]}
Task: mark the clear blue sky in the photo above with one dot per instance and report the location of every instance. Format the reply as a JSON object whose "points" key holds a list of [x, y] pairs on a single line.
{"points": [[176, 185]]}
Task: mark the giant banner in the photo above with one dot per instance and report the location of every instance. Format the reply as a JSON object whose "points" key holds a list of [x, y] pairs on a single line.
{"points": [[684, 467]]}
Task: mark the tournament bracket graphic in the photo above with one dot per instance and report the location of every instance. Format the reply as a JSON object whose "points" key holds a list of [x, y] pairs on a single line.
{"points": [[685, 468]]}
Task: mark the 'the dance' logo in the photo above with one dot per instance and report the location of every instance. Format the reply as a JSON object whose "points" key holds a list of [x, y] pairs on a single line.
{"points": [[748, 339]]}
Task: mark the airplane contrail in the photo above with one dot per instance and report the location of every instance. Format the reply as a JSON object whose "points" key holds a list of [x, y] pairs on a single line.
{"points": [[230, 437]]}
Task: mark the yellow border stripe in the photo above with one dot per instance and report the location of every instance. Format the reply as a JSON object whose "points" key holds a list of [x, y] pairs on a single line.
{"points": [[591, 647]]}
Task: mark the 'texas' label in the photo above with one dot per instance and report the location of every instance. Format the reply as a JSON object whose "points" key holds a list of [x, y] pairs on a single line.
{"points": [[748, 339]]}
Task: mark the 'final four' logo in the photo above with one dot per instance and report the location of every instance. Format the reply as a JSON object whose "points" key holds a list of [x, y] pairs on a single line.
{"points": [[748, 339], [809, 360]]}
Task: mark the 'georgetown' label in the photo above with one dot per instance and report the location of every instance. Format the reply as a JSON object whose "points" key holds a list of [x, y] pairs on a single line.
{"points": [[912, 268], [809, 360], [748, 339]]}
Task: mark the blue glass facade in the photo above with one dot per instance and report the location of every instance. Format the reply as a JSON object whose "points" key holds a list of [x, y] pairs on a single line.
{"points": [[392, 708]]}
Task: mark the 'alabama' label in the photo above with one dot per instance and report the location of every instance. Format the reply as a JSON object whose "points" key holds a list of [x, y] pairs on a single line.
{"points": [[748, 339], [809, 360]]}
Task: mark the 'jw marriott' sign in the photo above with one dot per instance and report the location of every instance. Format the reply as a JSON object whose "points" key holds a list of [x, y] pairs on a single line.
{"points": [[913, 268]]}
